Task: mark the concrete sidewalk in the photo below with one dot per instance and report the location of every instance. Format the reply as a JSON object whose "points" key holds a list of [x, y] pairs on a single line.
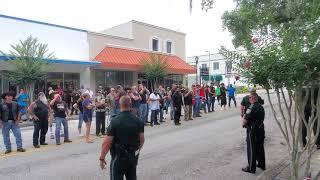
{"points": [[282, 170]]}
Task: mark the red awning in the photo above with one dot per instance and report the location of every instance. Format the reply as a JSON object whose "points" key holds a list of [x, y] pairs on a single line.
{"points": [[132, 60]]}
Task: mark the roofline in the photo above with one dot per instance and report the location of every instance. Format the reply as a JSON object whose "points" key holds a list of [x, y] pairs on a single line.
{"points": [[58, 61], [140, 50], [42, 23], [157, 27], [238, 51], [108, 35]]}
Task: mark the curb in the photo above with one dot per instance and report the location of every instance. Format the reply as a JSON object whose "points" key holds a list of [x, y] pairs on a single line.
{"points": [[275, 170], [272, 173]]}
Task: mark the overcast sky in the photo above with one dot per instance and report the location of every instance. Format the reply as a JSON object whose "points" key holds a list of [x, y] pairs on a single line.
{"points": [[203, 29]]}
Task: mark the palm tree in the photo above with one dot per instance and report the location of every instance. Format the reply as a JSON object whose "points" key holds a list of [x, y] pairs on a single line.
{"points": [[29, 58], [155, 69]]}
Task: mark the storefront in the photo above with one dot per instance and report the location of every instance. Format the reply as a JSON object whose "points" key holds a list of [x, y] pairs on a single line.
{"points": [[125, 67], [108, 78], [68, 74]]}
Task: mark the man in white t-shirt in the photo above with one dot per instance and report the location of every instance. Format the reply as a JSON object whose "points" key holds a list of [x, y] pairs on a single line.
{"points": [[154, 105]]}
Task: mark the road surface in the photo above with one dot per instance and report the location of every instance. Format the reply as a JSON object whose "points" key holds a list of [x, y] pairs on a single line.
{"points": [[207, 148]]}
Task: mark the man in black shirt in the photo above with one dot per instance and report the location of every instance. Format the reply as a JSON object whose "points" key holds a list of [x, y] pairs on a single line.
{"points": [[78, 106], [9, 120], [39, 110], [60, 110], [187, 95], [101, 106], [75, 96], [125, 138], [212, 96], [144, 94], [177, 103]]}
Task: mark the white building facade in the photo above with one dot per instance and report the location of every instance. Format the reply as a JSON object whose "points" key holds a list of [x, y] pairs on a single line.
{"points": [[89, 59], [221, 70]]}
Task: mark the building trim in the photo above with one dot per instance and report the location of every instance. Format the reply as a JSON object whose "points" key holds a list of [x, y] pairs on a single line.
{"points": [[141, 50], [60, 61], [157, 27], [108, 35], [42, 23]]}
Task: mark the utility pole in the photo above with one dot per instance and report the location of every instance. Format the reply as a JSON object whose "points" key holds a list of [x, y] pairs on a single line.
{"points": [[197, 60]]}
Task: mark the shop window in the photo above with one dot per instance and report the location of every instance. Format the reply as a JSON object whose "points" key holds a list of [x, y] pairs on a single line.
{"points": [[100, 78], [54, 79], [114, 78], [71, 80]]}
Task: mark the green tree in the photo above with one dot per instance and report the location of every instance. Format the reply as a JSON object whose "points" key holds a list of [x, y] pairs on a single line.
{"points": [[282, 40], [29, 59], [155, 69]]}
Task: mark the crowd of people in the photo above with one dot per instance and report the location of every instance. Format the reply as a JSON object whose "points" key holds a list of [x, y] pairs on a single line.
{"points": [[136, 102], [58, 105]]}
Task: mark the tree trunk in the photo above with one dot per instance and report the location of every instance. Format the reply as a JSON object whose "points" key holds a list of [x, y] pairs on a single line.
{"points": [[293, 148], [30, 91]]}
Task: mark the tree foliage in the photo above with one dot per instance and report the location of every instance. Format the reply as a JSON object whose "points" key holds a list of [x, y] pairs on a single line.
{"points": [[282, 40], [155, 68], [29, 59]]}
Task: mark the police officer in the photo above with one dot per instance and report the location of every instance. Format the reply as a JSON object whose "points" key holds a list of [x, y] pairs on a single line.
{"points": [[125, 138], [253, 121], [177, 103], [245, 103]]}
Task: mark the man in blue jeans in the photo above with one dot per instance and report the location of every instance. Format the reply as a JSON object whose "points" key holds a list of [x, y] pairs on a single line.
{"points": [[144, 93], [197, 105], [231, 93], [60, 110], [9, 120]]}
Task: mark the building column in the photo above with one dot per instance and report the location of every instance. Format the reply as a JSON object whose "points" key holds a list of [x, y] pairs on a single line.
{"points": [[87, 78]]}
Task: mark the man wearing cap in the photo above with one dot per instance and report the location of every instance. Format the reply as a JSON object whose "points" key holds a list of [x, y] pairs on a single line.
{"points": [[39, 111], [9, 120]]}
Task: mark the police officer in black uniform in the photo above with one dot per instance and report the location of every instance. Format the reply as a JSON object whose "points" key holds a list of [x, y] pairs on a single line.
{"points": [[125, 138], [253, 121], [245, 103]]}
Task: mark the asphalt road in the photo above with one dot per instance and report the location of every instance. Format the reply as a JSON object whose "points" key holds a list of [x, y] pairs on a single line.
{"points": [[207, 148]]}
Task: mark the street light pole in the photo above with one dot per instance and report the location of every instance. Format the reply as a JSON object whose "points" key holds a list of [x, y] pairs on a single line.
{"points": [[209, 65], [197, 60]]}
